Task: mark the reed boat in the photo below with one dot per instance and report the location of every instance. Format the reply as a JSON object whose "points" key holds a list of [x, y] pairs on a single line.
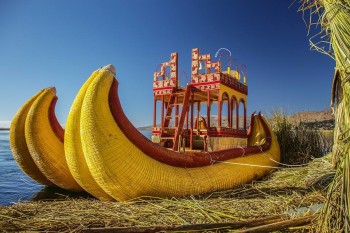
{"points": [[105, 155]]}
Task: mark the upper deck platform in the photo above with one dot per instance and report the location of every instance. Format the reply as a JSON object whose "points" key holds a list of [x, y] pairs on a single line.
{"points": [[181, 106]]}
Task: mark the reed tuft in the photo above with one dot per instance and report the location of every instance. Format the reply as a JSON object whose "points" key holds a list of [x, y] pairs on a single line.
{"points": [[298, 144], [333, 17]]}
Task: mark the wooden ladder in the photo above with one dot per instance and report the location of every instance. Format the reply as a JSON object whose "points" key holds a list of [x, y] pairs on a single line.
{"points": [[169, 111], [185, 108]]}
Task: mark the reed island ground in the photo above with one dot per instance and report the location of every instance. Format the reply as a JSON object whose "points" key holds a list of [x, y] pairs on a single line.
{"points": [[284, 194]]}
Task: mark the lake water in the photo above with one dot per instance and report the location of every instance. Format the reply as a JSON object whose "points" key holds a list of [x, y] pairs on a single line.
{"points": [[16, 186]]}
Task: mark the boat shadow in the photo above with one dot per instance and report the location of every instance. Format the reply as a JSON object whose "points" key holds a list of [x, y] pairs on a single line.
{"points": [[55, 194]]}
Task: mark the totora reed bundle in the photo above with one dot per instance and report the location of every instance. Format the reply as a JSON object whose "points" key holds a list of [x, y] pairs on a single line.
{"points": [[287, 194], [334, 18]]}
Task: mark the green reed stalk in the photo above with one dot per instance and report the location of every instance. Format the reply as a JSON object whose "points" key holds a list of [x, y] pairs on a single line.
{"points": [[334, 18]]}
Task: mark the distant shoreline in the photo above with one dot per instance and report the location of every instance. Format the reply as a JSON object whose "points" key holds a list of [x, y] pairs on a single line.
{"points": [[323, 120], [3, 129], [145, 128]]}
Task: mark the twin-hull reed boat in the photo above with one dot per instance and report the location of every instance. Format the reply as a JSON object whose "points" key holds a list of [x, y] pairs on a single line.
{"points": [[102, 153]]}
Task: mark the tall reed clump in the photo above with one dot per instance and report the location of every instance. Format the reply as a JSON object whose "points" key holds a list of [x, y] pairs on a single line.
{"points": [[298, 144], [334, 18]]}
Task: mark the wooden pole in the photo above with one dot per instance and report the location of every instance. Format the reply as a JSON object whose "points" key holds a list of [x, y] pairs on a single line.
{"points": [[192, 115], [208, 111], [229, 115], [155, 112], [237, 116], [245, 116], [198, 109], [231, 111], [302, 221], [177, 111], [267, 224], [219, 110], [162, 120]]}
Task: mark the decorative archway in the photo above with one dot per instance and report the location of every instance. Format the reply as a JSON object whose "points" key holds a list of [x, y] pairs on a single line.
{"points": [[225, 110], [234, 112], [242, 117]]}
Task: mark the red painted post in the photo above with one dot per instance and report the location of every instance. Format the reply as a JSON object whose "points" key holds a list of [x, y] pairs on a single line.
{"points": [[245, 116], [198, 109], [191, 130], [237, 117], [219, 109], [187, 124], [183, 117], [229, 112], [162, 122], [231, 109], [154, 112], [208, 111], [176, 111]]}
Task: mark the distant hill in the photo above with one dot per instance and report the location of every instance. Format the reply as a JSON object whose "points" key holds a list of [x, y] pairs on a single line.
{"points": [[309, 119], [145, 128], [314, 119], [213, 122], [312, 116]]}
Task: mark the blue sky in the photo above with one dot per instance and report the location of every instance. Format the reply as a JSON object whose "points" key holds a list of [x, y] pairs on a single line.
{"points": [[59, 43]]}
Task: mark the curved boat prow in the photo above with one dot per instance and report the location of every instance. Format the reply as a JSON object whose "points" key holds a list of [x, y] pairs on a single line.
{"points": [[104, 154], [126, 165], [37, 142], [19, 145], [191, 159]]}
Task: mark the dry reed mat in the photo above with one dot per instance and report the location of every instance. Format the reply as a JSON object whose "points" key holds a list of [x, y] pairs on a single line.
{"points": [[333, 17], [280, 201]]}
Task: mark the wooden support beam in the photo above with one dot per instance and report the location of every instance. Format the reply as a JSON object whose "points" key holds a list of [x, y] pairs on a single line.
{"points": [[198, 110], [245, 117], [192, 116], [169, 110], [176, 111], [208, 110], [219, 109], [280, 225], [155, 112], [184, 113], [229, 115], [267, 224], [237, 116], [162, 117]]}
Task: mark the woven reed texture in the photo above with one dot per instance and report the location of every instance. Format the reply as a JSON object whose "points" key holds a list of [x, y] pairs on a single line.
{"points": [[73, 150], [336, 211], [19, 146], [172, 158], [258, 135], [125, 172], [44, 146], [221, 143], [338, 23]]}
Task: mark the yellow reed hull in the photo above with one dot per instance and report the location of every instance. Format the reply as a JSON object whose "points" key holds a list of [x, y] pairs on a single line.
{"points": [[125, 172], [100, 157], [19, 146]]}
